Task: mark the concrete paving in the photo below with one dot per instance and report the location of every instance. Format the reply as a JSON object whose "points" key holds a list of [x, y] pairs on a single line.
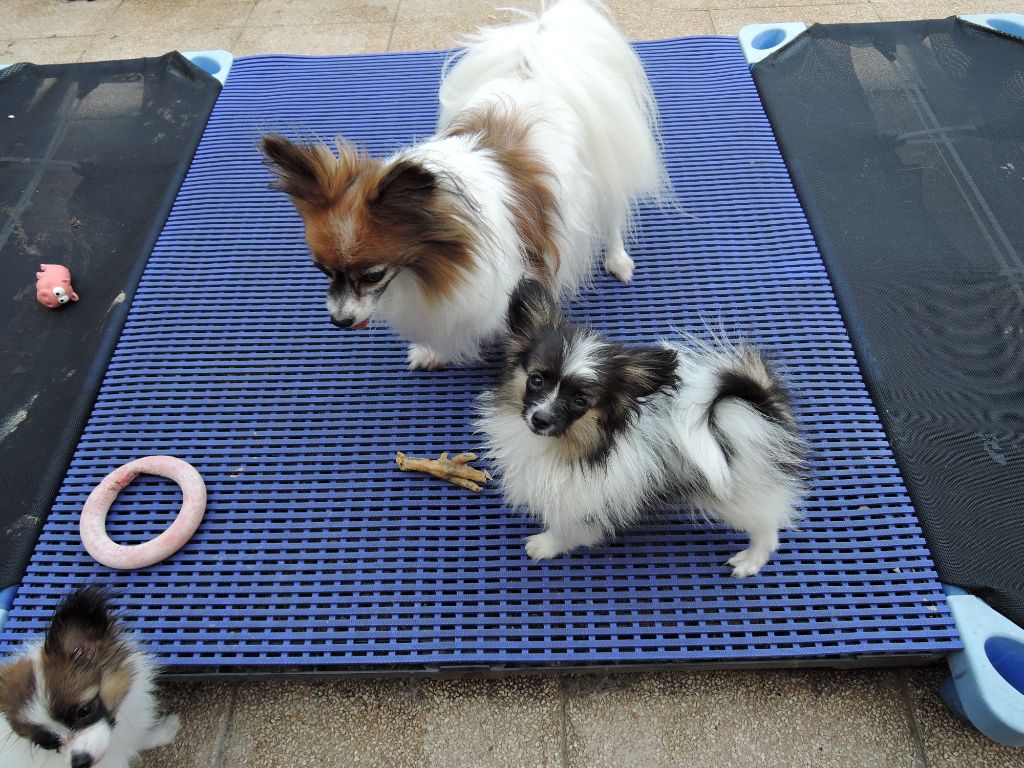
{"points": [[877, 718], [787, 719]]}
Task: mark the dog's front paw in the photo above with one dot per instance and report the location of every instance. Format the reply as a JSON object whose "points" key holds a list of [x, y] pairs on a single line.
{"points": [[748, 562], [544, 546], [421, 358], [619, 264], [163, 731]]}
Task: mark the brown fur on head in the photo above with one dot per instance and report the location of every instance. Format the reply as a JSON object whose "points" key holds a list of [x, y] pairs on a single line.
{"points": [[363, 215], [84, 651], [17, 686], [79, 676]]}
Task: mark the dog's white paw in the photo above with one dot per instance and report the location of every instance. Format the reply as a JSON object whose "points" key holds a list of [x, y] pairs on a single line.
{"points": [[749, 561], [163, 731], [421, 358], [619, 264], [544, 546]]}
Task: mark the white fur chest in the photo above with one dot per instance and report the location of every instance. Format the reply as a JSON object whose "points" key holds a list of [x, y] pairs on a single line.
{"points": [[537, 477]]}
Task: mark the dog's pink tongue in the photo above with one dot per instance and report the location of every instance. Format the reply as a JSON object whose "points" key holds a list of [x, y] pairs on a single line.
{"points": [[361, 326]]}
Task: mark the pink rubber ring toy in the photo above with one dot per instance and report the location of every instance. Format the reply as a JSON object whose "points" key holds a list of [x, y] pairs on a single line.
{"points": [[93, 525]]}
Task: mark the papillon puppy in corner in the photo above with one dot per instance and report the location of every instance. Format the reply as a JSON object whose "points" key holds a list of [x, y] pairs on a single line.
{"points": [[83, 696], [590, 435], [547, 139]]}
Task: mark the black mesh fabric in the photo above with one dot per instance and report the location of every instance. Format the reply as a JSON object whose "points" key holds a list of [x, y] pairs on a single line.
{"points": [[906, 145], [91, 158]]}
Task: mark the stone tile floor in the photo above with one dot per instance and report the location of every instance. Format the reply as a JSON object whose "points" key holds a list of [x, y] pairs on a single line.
{"points": [[55, 30], [817, 718]]}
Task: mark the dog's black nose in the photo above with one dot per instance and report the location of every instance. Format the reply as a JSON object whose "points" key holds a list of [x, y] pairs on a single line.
{"points": [[346, 323], [81, 760], [540, 421]]}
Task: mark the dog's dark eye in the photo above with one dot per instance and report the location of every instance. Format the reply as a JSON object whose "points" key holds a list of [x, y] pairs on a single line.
{"points": [[87, 710], [372, 278], [46, 740], [580, 402], [536, 381], [322, 268]]}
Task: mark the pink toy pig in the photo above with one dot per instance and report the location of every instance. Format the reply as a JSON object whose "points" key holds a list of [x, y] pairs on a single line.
{"points": [[53, 286]]}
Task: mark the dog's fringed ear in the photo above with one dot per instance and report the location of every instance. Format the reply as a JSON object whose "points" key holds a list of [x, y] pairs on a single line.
{"points": [[404, 189], [644, 371], [81, 625], [309, 174], [531, 308], [17, 681]]}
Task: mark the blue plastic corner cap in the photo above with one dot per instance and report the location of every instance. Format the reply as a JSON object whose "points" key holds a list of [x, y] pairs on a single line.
{"points": [[6, 600], [988, 674], [1007, 23], [761, 40], [214, 63]]}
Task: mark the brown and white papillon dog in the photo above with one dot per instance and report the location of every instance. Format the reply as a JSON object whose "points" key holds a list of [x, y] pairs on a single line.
{"points": [[83, 696], [547, 139]]}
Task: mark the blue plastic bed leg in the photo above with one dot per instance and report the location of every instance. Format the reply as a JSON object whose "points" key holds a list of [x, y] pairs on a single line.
{"points": [[1007, 23], [759, 41], [949, 696], [6, 600], [987, 682], [217, 63]]}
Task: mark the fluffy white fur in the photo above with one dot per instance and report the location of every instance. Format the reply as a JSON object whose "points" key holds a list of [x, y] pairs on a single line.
{"points": [[452, 329], [669, 445], [575, 79], [139, 726]]}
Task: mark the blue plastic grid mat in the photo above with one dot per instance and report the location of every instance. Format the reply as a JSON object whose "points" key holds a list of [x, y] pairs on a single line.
{"points": [[317, 552]]}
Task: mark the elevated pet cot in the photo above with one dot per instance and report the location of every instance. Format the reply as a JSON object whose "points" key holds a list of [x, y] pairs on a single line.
{"points": [[318, 555]]}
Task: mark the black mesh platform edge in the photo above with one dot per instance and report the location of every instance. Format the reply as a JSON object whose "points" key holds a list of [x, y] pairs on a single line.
{"points": [[91, 159], [905, 142]]}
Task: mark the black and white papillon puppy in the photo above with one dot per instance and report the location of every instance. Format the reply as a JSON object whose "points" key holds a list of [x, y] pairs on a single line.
{"points": [[83, 696], [590, 435]]}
